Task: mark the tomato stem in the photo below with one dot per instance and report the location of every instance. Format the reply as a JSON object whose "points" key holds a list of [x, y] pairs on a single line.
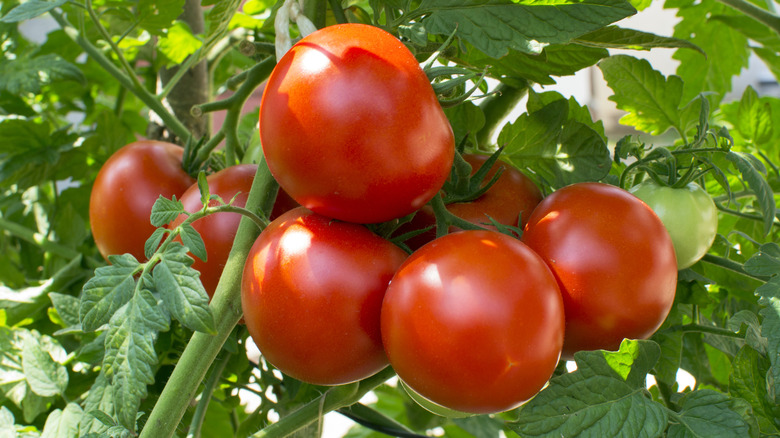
{"points": [[334, 398], [226, 307], [699, 328], [129, 82]]}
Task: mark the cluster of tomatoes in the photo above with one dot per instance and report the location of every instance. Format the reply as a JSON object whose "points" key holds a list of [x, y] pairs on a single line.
{"points": [[475, 321]]}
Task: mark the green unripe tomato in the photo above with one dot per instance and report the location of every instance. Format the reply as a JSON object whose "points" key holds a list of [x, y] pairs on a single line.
{"points": [[688, 213]]}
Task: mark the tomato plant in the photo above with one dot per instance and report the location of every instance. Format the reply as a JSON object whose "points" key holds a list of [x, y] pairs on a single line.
{"points": [[125, 189], [351, 127], [613, 259], [312, 292], [365, 128], [509, 201], [689, 215], [473, 321]]}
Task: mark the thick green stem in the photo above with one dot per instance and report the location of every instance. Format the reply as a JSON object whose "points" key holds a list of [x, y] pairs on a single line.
{"points": [[496, 108], [334, 398], [226, 307], [762, 15], [151, 101]]}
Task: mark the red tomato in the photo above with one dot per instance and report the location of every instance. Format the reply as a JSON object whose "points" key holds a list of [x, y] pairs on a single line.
{"points": [[613, 259], [509, 201], [473, 321], [351, 127], [218, 230], [312, 293], [125, 190]]}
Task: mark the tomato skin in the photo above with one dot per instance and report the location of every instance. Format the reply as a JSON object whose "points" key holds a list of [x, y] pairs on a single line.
{"points": [[509, 201], [613, 259], [351, 127], [312, 292], [473, 321], [125, 190], [689, 214]]}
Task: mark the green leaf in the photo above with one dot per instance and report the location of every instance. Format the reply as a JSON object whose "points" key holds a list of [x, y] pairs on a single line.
{"points": [[495, 26], [153, 242], [7, 423], [614, 37], [554, 60], [652, 101], [203, 187], [99, 403], [766, 262], [45, 376], [130, 359], [748, 382], [561, 151], [769, 294], [466, 120], [31, 9], [63, 423], [218, 23], [746, 164], [27, 74], [181, 290], [754, 120], [605, 396], [707, 413], [67, 307], [194, 242], [727, 50], [156, 16], [537, 101], [13, 382], [164, 211], [105, 293], [178, 43]]}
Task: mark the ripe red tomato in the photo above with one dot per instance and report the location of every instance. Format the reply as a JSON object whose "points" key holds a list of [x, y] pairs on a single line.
{"points": [[312, 293], [473, 321], [125, 190], [351, 127], [509, 201], [613, 259]]}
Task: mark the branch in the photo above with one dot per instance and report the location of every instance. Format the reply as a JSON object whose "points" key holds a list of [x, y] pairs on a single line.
{"points": [[761, 15], [124, 80]]}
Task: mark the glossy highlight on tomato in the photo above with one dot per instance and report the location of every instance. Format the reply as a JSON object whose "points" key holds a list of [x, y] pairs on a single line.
{"points": [[312, 292], [613, 259], [351, 127], [125, 190], [473, 321], [689, 215]]}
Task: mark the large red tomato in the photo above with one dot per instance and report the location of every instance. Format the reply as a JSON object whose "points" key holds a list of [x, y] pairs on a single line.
{"points": [[312, 294], [351, 127], [473, 321], [218, 230], [613, 259], [125, 190], [509, 201]]}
